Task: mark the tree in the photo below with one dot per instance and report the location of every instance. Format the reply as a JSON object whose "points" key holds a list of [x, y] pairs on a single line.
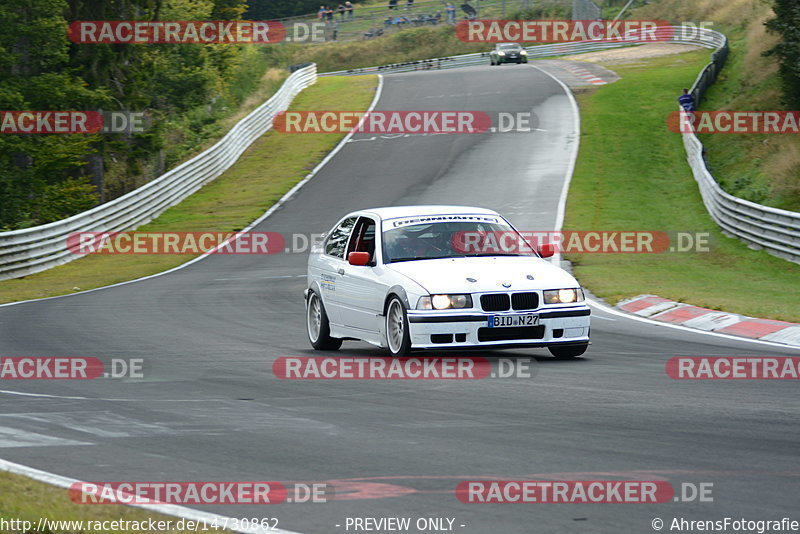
{"points": [[34, 76], [787, 24]]}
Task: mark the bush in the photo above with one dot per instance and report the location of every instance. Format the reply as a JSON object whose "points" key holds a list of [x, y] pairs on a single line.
{"points": [[66, 198]]}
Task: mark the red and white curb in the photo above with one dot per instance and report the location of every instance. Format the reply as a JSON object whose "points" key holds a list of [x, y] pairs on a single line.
{"points": [[584, 75], [669, 311]]}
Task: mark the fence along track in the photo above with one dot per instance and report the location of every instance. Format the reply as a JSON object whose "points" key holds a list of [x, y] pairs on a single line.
{"points": [[31, 250]]}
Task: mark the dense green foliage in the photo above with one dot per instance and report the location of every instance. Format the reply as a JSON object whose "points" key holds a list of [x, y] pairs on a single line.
{"points": [[787, 24], [184, 89]]}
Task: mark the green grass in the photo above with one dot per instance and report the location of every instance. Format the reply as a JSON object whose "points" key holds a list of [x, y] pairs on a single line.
{"points": [[267, 170], [632, 175], [759, 168], [25, 499]]}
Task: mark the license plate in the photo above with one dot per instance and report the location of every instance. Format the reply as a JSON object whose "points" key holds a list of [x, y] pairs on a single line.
{"points": [[501, 321]]}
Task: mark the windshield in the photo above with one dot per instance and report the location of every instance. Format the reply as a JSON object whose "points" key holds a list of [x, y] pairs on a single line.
{"points": [[452, 239], [510, 47]]}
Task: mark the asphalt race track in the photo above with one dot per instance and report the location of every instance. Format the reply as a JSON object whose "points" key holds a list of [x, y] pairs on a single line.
{"points": [[210, 408]]}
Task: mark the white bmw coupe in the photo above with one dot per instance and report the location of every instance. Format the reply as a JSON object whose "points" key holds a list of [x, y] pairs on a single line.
{"points": [[436, 277]]}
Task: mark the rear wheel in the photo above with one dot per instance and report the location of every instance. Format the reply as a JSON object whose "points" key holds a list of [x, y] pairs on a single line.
{"points": [[317, 326], [567, 352], [398, 339]]}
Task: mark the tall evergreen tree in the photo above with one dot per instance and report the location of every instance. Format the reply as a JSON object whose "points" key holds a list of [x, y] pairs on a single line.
{"points": [[787, 24]]}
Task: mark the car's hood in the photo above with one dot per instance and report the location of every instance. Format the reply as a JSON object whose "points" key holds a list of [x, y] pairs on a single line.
{"points": [[449, 275]]}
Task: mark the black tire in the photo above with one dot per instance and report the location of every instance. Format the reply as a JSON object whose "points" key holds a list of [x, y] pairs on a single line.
{"points": [[398, 339], [320, 325], [567, 352]]}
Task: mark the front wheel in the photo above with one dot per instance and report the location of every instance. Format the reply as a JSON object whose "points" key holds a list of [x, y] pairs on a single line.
{"points": [[567, 352], [398, 339], [317, 326]]}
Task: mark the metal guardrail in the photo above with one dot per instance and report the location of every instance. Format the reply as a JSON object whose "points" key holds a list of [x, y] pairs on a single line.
{"points": [[672, 34], [31, 250], [762, 227]]}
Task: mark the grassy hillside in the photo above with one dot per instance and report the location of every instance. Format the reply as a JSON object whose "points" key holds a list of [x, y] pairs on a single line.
{"points": [[760, 168], [632, 175]]}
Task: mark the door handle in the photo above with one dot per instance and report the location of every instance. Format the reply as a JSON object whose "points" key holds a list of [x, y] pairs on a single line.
{"points": [[341, 271]]}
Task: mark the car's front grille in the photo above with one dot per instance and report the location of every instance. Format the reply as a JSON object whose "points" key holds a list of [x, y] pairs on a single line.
{"points": [[525, 301], [511, 333], [502, 302], [495, 302]]}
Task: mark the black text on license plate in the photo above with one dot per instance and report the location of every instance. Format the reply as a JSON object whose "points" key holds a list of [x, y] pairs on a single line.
{"points": [[500, 321]]}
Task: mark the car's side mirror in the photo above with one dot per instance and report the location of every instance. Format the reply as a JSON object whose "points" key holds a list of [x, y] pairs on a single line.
{"points": [[547, 250], [358, 258]]}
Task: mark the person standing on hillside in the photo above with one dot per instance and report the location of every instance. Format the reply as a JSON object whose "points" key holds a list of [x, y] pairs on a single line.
{"points": [[686, 101], [451, 13], [348, 6]]}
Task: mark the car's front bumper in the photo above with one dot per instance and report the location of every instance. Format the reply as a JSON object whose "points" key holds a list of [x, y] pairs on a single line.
{"points": [[507, 59], [446, 329]]}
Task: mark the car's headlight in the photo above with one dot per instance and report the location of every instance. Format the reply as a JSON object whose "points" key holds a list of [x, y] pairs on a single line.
{"points": [[562, 296], [501, 53], [444, 302], [523, 52]]}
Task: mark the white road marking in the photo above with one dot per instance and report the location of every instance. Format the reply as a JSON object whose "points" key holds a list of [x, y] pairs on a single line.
{"points": [[12, 437], [67, 397], [166, 509]]}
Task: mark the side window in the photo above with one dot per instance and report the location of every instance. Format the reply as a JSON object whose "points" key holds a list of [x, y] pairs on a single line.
{"points": [[363, 237], [337, 241]]}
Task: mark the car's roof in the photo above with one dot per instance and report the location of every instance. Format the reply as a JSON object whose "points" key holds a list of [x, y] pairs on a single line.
{"points": [[509, 44], [395, 212]]}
